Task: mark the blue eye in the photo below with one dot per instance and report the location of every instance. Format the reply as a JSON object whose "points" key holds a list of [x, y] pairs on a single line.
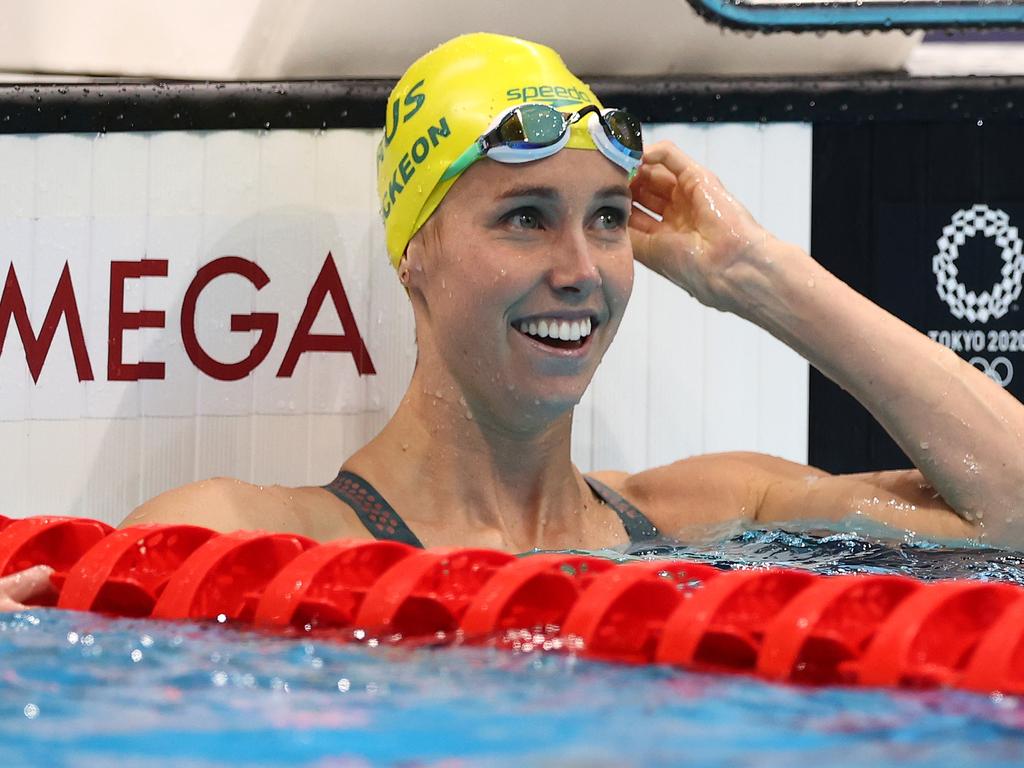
{"points": [[523, 218], [610, 218]]}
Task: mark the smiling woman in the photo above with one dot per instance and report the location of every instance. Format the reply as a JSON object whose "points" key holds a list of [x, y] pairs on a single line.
{"points": [[546, 245], [516, 236]]}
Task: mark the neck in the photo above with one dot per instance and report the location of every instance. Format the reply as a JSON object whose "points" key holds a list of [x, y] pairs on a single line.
{"points": [[468, 474]]}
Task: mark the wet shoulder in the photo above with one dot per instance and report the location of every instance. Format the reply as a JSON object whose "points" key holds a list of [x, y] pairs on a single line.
{"points": [[227, 504], [699, 490]]}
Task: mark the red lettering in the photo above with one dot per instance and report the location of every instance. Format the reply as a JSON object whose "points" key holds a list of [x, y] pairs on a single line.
{"points": [[328, 283], [63, 304], [121, 321], [264, 322]]}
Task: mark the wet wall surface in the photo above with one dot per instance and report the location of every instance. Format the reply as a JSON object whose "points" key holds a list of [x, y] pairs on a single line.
{"points": [[111, 106]]}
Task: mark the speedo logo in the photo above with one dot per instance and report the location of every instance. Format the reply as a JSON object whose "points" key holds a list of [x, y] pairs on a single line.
{"points": [[555, 95]]}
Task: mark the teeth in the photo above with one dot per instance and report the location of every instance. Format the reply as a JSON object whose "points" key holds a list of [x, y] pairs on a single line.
{"points": [[558, 329]]}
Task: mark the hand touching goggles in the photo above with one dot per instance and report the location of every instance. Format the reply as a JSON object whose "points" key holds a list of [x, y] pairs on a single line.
{"points": [[532, 131]]}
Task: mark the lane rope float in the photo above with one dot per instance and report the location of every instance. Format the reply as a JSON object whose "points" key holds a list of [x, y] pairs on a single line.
{"points": [[780, 624]]}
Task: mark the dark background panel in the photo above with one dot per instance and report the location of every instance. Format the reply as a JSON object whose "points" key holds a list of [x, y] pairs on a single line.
{"points": [[881, 195], [839, 430], [108, 105]]}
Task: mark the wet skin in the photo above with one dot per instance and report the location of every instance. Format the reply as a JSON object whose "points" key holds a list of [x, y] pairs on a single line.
{"points": [[547, 241]]}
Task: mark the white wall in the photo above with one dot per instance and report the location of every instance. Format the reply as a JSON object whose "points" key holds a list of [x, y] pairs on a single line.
{"points": [[679, 380]]}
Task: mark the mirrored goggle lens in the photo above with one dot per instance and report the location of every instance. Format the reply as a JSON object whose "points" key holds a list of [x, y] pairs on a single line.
{"points": [[625, 129], [531, 125]]}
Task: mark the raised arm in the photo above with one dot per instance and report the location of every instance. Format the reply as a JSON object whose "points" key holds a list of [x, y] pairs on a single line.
{"points": [[960, 428]]}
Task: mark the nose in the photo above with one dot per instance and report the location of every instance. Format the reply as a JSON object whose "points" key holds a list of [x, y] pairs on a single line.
{"points": [[574, 268]]}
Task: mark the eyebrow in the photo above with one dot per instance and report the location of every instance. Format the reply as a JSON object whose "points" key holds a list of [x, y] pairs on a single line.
{"points": [[615, 190], [550, 193]]}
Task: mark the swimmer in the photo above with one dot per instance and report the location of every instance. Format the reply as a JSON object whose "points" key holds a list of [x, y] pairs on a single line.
{"points": [[509, 198]]}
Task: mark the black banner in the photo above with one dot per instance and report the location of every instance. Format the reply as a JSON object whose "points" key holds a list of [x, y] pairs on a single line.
{"points": [[955, 272], [927, 220]]}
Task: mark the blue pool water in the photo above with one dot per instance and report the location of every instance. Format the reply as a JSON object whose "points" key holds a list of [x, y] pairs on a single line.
{"points": [[82, 690]]}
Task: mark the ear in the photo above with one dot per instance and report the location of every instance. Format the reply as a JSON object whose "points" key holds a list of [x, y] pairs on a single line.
{"points": [[412, 260], [403, 270]]}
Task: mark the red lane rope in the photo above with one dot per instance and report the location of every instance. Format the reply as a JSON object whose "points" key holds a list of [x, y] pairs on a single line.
{"points": [[780, 624]]}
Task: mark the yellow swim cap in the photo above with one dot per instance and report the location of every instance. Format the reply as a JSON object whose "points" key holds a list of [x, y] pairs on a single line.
{"points": [[444, 102]]}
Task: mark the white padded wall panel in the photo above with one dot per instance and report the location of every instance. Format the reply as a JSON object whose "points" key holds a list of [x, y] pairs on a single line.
{"points": [[731, 362], [785, 207], [677, 338], [619, 427]]}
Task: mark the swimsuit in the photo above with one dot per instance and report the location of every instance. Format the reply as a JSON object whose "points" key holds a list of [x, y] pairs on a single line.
{"points": [[384, 523]]}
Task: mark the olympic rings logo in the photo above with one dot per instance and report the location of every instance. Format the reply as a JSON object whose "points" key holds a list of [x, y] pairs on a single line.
{"points": [[1000, 370], [990, 223]]}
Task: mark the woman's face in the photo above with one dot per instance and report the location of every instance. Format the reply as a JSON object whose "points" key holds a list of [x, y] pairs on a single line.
{"points": [[520, 278]]}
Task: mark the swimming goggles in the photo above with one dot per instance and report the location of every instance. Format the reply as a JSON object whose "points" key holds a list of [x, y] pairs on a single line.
{"points": [[532, 131]]}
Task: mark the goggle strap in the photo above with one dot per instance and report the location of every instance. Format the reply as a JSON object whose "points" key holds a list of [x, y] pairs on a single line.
{"points": [[462, 162]]}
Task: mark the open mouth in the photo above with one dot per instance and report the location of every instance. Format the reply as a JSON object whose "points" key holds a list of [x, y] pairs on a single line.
{"points": [[557, 333]]}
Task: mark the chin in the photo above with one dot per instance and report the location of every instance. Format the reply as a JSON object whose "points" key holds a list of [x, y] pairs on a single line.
{"points": [[551, 402]]}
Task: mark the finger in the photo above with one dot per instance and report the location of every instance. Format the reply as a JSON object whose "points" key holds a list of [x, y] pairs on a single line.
{"points": [[641, 221], [649, 188], [9, 606], [655, 190], [672, 157], [641, 242], [28, 585], [657, 178], [651, 201]]}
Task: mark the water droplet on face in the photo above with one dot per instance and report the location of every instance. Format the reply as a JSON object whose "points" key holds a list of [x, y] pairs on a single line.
{"points": [[971, 465], [810, 282]]}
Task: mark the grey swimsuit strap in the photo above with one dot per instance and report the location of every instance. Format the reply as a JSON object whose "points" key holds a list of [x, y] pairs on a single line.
{"points": [[638, 526], [381, 519], [372, 509]]}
